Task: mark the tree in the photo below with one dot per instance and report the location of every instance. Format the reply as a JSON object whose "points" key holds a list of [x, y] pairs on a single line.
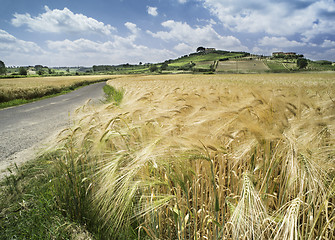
{"points": [[153, 68], [164, 66], [23, 71], [2, 68], [40, 72], [201, 49], [302, 63], [38, 67], [95, 68]]}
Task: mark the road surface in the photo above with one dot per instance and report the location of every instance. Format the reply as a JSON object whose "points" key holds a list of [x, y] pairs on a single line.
{"points": [[26, 126]]}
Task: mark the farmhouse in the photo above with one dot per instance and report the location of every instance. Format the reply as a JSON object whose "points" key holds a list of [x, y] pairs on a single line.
{"points": [[208, 50]]}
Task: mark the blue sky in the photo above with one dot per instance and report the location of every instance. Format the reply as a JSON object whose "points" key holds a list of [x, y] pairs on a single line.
{"points": [[83, 33]]}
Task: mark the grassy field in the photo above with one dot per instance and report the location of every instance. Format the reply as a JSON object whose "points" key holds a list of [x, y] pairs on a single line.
{"points": [[204, 57], [15, 91], [242, 66], [276, 65], [203, 157]]}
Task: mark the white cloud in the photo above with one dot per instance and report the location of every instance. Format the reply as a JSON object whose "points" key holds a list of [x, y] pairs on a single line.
{"points": [[132, 27], [60, 21], [328, 44], [182, 1], [262, 51], [120, 50], [280, 42], [184, 48], [83, 52], [15, 51], [135, 31], [184, 35], [5, 37], [208, 21], [152, 11], [321, 55], [307, 18], [9, 44]]}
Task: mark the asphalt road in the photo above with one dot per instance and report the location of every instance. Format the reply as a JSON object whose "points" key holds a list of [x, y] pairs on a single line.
{"points": [[24, 126]]}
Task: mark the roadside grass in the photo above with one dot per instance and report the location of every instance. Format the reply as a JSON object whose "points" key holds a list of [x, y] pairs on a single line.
{"points": [[113, 95], [27, 205], [19, 91], [36, 198]]}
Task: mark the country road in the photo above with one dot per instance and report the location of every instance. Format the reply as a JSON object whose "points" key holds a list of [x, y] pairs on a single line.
{"points": [[25, 127]]}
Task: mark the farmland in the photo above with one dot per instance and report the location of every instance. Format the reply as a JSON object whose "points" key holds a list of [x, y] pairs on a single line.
{"points": [[202, 156], [214, 61], [187, 156], [242, 66], [212, 56], [21, 90]]}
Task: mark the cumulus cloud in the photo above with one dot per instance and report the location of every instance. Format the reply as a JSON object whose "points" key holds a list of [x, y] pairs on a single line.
{"points": [[120, 50], [326, 54], [60, 21], [184, 34], [10, 44], [82, 51], [132, 27], [183, 47], [280, 42], [5, 37], [152, 11], [182, 1], [307, 18], [15, 51], [328, 44]]}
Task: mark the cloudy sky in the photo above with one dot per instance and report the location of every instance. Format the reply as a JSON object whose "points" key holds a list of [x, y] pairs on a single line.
{"points": [[86, 32]]}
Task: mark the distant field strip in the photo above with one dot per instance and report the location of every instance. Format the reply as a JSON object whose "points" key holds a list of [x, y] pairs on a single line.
{"points": [[37, 87], [242, 66]]}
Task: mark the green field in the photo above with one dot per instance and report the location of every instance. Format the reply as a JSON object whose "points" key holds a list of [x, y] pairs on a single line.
{"points": [[242, 66], [197, 58]]}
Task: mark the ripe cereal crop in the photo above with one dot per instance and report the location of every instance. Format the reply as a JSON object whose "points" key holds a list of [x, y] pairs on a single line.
{"points": [[205, 157]]}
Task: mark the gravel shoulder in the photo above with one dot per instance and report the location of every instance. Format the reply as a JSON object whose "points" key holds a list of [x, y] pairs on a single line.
{"points": [[27, 129]]}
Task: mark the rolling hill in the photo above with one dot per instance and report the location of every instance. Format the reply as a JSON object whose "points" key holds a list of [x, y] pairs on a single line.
{"points": [[219, 61]]}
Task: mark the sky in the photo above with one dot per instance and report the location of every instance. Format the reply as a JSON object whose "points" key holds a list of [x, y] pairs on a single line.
{"points": [[110, 32]]}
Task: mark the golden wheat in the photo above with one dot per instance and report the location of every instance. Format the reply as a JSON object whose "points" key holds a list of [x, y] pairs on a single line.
{"points": [[216, 157], [34, 87]]}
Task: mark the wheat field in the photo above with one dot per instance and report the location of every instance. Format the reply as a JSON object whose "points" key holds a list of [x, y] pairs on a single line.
{"points": [[35, 87], [206, 157]]}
